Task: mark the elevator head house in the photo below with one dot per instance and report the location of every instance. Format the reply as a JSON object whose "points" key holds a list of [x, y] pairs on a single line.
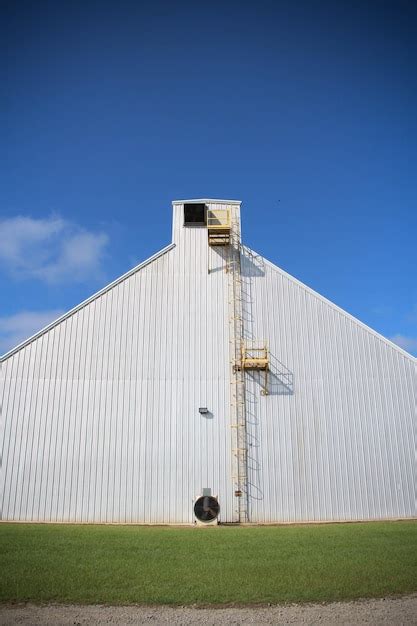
{"points": [[205, 385]]}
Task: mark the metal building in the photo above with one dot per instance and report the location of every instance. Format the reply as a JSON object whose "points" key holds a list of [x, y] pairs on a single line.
{"points": [[207, 382]]}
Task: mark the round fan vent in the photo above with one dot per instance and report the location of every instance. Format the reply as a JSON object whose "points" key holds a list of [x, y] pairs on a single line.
{"points": [[206, 508]]}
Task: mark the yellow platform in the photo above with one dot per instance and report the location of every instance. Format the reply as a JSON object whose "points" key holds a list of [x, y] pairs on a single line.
{"points": [[219, 227], [255, 356]]}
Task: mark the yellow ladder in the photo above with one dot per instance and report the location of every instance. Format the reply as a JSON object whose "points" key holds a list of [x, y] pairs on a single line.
{"points": [[237, 374], [224, 230]]}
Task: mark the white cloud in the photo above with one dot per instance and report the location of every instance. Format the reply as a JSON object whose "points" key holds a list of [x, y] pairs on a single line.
{"points": [[407, 343], [16, 328], [52, 249]]}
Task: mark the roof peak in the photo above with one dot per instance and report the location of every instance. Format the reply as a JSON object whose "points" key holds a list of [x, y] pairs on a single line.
{"points": [[206, 200]]}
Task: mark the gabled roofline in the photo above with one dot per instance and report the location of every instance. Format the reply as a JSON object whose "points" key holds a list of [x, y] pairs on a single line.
{"points": [[335, 307], [198, 200], [85, 302], [138, 267]]}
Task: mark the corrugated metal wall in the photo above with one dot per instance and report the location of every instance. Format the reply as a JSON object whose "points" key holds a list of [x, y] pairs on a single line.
{"points": [[100, 416], [100, 413], [335, 439]]}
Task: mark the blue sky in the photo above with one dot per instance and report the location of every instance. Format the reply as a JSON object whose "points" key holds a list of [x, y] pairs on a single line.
{"points": [[304, 111]]}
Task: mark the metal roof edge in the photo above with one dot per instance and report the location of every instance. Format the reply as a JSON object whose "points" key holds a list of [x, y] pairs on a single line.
{"points": [[337, 308], [207, 200], [96, 295]]}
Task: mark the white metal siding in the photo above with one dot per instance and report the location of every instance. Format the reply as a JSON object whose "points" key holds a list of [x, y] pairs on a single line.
{"points": [[100, 413], [100, 418], [336, 437]]}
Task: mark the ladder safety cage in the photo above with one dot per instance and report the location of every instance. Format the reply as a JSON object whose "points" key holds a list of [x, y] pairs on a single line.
{"points": [[223, 228], [237, 390]]}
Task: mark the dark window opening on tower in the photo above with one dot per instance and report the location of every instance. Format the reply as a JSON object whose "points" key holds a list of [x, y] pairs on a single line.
{"points": [[195, 213]]}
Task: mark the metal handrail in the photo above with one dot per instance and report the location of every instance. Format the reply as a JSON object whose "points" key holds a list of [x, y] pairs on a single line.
{"points": [[255, 352], [218, 218]]}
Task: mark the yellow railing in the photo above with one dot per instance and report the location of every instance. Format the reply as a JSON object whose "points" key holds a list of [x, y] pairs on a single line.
{"points": [[255, 355], [218, 219]]}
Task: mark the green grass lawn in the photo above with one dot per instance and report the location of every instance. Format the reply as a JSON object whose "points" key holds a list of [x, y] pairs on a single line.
{"points": [[159, 565]]}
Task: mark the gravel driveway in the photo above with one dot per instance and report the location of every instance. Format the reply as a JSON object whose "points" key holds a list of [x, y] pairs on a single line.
{"points": [[393, 611]]}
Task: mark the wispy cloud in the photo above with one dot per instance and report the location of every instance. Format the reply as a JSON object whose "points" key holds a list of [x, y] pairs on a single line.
{"points": [[407, 343], [53, 249], [16, 328]]}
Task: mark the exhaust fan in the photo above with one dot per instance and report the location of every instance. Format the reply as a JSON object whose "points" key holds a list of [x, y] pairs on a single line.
{"points": [[206, 509]]}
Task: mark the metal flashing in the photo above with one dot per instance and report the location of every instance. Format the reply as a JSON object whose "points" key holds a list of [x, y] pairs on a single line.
{"points": [[96, 295], [334, 306], [198, 200]]}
